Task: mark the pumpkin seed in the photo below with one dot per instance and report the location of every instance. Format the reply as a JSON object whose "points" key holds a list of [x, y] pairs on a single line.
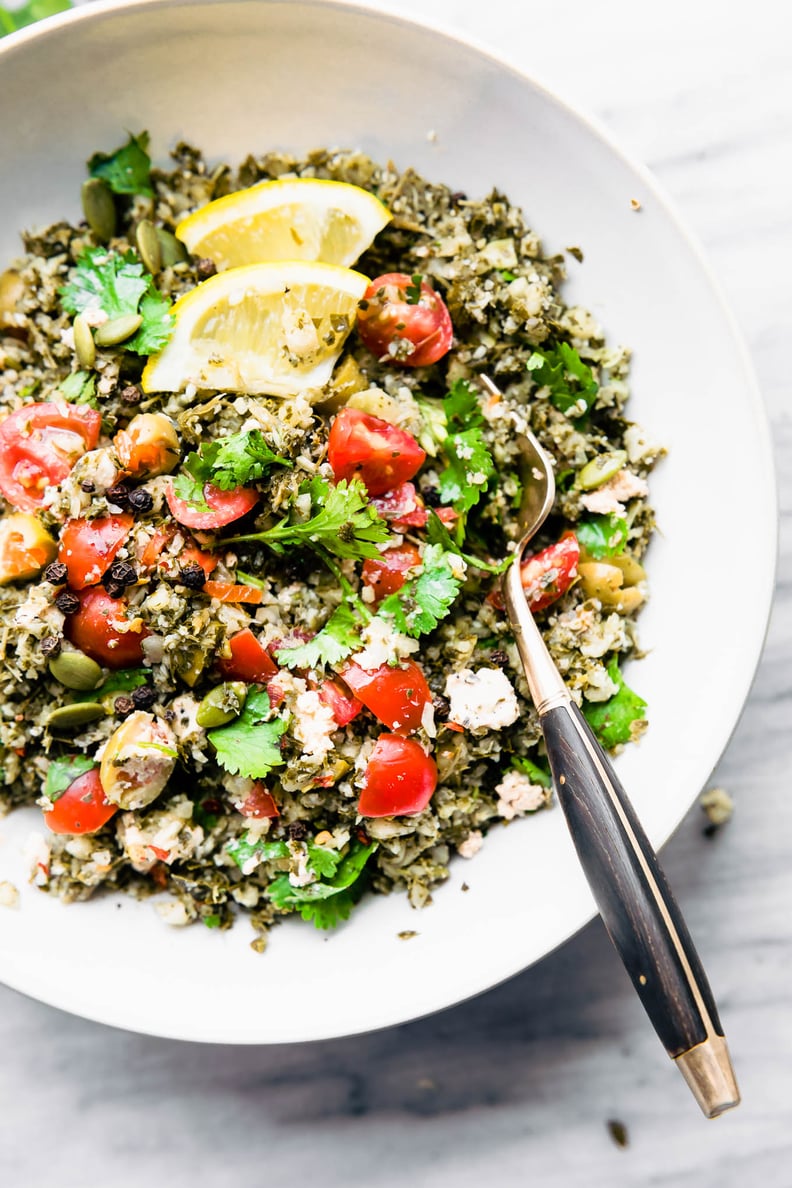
{"points": [[172, 250], [600, 469], [222, 704], [80, 713], [117, 330], [75, 670], [84, 345], [99, 208], [148, 245]]}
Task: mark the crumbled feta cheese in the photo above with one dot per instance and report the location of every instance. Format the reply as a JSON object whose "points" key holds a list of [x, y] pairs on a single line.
{"points": [[383, 645], [165, 836], [611, 496], [516, 794], [299, 874], [428, 719], [173, 912], [481, 700], [314, 725], [471, 845], [38, 612]]}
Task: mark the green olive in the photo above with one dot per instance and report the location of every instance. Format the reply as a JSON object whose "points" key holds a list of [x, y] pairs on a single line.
{"points": [[600, 469], [75, 670], [222, 704], [605, 582]]}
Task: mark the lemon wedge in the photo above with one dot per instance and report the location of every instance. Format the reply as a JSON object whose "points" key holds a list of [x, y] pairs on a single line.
{"points": [[267, 329], [300, 219]]}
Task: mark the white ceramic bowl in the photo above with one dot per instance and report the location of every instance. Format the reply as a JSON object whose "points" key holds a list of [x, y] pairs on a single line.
{"points": [[251, 75]]}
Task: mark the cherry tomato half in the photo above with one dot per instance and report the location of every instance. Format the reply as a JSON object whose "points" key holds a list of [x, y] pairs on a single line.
{"points": [[387, 573], [82, 808], [366, 447], [224, 506], [403, 320], [345, 707], [39, 444], [94, 629], [87, 547], [399, 780], [397, 696], [233, 592], [549, 574], [258, 803], [403, 506], [249, 660]]}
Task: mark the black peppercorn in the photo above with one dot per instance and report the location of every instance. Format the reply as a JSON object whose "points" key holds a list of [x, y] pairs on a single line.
{"points": [[123, 705], [56, 573], [431, 497], [120, 573], [50, 646], [113, 589], [205, 268], [140, 500], [442, 708], [143, 697], [298, 831], [131, 394], [118, 495], [192, 576], [499, 658], [67, 602]]}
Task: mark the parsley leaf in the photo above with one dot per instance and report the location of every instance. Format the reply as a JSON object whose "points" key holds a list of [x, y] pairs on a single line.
{"points": [[437, 533], [233, 461], [115, 283], [323, 861], [344, 523], [571, 382], [63, 772], [191, 491], [423, 601], [127, 170], [250, 746], [538, 774], [326, 902], [602, 536], [614, 721], [469, 468], [462, 407], [337, 639], [28, 14]]}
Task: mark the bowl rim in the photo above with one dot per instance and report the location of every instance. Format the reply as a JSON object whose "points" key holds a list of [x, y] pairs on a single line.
{"points": [[100, 10]]}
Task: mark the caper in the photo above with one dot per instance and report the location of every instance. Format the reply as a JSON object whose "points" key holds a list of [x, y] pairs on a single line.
{"points": [[75, 670], [600, 469], [222, 704], [80, 713], [138, 760], [172, 250], [99, 208], [148, 245], [84, 346], [117, 330]]}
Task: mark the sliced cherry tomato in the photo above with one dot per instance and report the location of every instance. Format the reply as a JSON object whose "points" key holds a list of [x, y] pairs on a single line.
{"points": [[345, 707], [233, 592], [403, 506], [549, 574], [87, 547], [399, 780], [259, 804], [249, 660], [387, 573], [397, 696], [224, 506], [39, 444], [154, 555], [366, 447], [94, 629], [82, 808], [403, 320]]}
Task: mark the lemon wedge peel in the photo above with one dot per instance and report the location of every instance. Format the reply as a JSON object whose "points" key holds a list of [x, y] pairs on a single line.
{"points": [[264, 329], [295, 219]]}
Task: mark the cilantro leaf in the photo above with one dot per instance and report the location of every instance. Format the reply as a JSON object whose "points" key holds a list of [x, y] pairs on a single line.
{"points": [[128, 169], [63, 772], [437, 533], [413, 291], [191, 491], [423, 601], [570, 380], [538, 774], [323, 861], [337, 639], [333, 894], [28, 14], [242, 850], [614, 721], [115, 283], [344, 523], [79, 388], [250, 745], [469, 468], [462, 407], [233, 461], [602, 536]]}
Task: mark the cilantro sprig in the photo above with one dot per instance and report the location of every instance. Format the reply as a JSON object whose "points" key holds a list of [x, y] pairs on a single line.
{"points": [[615, 721], [343, 523], [329, 900], [424, 600], [233, 461], [573, 388], [339, 637], [469, 463], [250, 745], [127, 170], [115, 282]]}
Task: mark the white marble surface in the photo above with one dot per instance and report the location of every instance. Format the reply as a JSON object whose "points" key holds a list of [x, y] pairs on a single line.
{"points": [[517, 1086]]}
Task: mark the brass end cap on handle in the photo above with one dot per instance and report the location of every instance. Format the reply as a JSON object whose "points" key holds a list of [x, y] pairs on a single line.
{"points": [[708, 1071]]}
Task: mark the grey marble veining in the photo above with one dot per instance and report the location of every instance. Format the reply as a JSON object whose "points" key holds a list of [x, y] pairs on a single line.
{"points": [[516, 1086]]}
